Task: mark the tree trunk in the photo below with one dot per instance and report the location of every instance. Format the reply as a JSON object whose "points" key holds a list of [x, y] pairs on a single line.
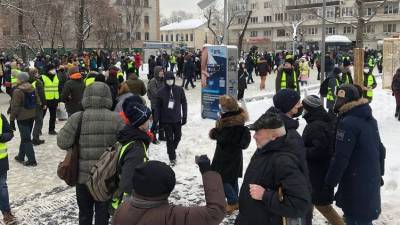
{"points": [[21, 32], [359, 63], [53, 34], [360, 25], [79, 35], [240, 44]]}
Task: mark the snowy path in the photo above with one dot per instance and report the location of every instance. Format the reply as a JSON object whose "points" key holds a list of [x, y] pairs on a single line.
{"points": [[39, 197]]}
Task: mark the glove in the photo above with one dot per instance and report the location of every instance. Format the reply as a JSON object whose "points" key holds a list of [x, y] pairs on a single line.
{"points": [[184, 121], [6, 137], [204, 163]]}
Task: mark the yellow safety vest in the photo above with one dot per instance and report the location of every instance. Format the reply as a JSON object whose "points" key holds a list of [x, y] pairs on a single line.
{"points": [[130, 65], [331, 96], [173, 60], [89, 81], [283, 81], [120, 74], [3, 146], [34, 84], [50, 87], [118, 200], [14, 73], [370, 93]]}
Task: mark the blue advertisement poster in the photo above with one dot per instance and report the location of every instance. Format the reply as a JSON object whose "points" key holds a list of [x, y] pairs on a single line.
{"points": [[214, 74]]}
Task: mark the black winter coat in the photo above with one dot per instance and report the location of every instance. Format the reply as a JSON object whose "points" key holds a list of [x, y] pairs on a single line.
{"points": [[5, 136], [242, 83], [358, 163], [189, 69], [232, 137], [272, 167], [318, 137], [72, 95], [113, 84], [162, 113], [135, 155], [396, 82]]}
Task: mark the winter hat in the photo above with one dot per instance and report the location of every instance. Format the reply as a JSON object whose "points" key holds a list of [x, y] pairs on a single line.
{"points": [[228, 104], [286, 99], [268, 120], [346, 93], [135, 111], [169, 76], [311, 102], [23, 77], [153, 179]]}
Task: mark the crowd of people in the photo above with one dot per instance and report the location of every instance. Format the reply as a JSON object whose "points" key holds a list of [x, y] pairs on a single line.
{"points": [[288, 175]]}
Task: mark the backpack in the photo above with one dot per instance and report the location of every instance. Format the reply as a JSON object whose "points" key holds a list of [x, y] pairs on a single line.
{"points": [[103, 180], [323, 90], [30, 100]]}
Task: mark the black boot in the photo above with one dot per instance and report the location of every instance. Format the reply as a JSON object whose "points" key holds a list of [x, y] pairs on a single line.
{"points": [[397, 111]]}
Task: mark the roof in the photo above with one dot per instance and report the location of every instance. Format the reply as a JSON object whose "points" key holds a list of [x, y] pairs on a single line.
{"points": [[184, 25], [337, 39]]}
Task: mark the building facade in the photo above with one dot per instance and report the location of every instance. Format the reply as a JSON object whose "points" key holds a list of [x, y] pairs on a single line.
{"points": [[270, 25]]}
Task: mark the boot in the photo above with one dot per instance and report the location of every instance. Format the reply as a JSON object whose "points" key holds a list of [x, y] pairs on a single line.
{"points": [[330, 214], [37, 142], [9, 219], [229, 209], [396, 114]]}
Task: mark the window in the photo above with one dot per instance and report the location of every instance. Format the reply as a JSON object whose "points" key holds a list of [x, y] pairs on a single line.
{"points": [[330, 12], [138, 36], [241, 21], [311, 31], [146, 36], [254, 34], [295, 17], [369, 28], [279, 17], [166, 37], [146, 20], [6, 31], [267, 19], [162, 37], [267, 33], [254, 20], [191, 37], [391, 8], [187, 37], [146, 3], [348, 30], [390, 28], [331, 30], [347, 12], [267, 5], [128, 35], [254, 5], [172, 37], [280, 33], [369, 11], [177, 37]]}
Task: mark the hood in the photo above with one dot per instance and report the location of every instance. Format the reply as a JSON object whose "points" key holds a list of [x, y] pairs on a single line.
{"points": [[318, 114], [129, 133], [157, 70], [289, 122], [97, 95], [26, 87], [235, 119], [359, 108]]}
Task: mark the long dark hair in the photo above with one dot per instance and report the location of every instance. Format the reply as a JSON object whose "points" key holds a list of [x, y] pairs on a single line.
{"points": [[241, 69]]}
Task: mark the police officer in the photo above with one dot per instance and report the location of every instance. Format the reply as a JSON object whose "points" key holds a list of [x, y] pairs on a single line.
{"points": [[51, 93], [369, 83], [287, 77], [371, 63], [6, 135], [346, 77], [333, 84], [172, 62]]}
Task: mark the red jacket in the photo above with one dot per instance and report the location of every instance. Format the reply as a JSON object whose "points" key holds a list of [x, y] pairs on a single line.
{"points": [[138, 61]]}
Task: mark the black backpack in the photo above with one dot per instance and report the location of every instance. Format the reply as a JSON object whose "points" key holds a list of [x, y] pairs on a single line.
{"points": [[30, 100], [323, 90]]}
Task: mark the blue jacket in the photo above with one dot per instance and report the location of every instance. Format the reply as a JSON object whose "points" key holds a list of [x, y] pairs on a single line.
{"points": [[358, 163]]}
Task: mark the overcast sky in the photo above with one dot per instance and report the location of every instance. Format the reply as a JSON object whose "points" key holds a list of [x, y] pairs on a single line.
{"points": [[167, 6]]}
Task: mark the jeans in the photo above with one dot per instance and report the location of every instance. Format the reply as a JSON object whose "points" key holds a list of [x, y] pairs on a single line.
{"points": [[4, 199], [26, 147], [172, 67], [52, 107], [250, 77], [231, 190], [351, 221], [173, 133], [37, 128], [86, 203]]}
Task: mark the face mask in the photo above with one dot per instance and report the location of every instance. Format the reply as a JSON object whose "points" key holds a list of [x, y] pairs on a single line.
{"points": [[169, 82], [366, 70], [299, 112]]}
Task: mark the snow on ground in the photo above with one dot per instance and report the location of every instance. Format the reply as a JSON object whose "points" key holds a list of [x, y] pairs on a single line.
{"points": [[39, 197]]}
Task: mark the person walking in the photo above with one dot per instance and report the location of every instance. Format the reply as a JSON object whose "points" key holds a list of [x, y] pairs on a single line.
{"points": [[275, 186], [358, 163], [52, 95], [304, 71], [38, 124], [153, 182], [189, 71], [318, 137], [242, 84], [99, 129], [6, 134], [369, 84], [23, 109], [171, 113], [396, 92], [232, 137], [73, 91], [153, 87], [263, 70]]}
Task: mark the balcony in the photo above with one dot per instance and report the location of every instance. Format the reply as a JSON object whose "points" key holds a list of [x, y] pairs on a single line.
{"points": [[311, 5]]}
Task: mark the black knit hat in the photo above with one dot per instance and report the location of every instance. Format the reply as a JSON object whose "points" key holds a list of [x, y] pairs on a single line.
{"points": [[135, 111], [311, 103], [286, 99], [268, 120], [169, 76], [153, 179]]}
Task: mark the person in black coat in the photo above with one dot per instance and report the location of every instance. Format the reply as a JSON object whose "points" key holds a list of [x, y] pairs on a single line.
{"points": [[134, 142], [242, 83], [275, 184], [171, 112], [318, 137], [152, 65], [72, 93], [180, 61], [359, 159], [113, 83], [189, 71], [232, 137]]}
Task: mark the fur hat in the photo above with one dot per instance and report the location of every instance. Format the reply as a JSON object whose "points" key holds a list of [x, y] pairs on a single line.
{"points": [[228, 104]]}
